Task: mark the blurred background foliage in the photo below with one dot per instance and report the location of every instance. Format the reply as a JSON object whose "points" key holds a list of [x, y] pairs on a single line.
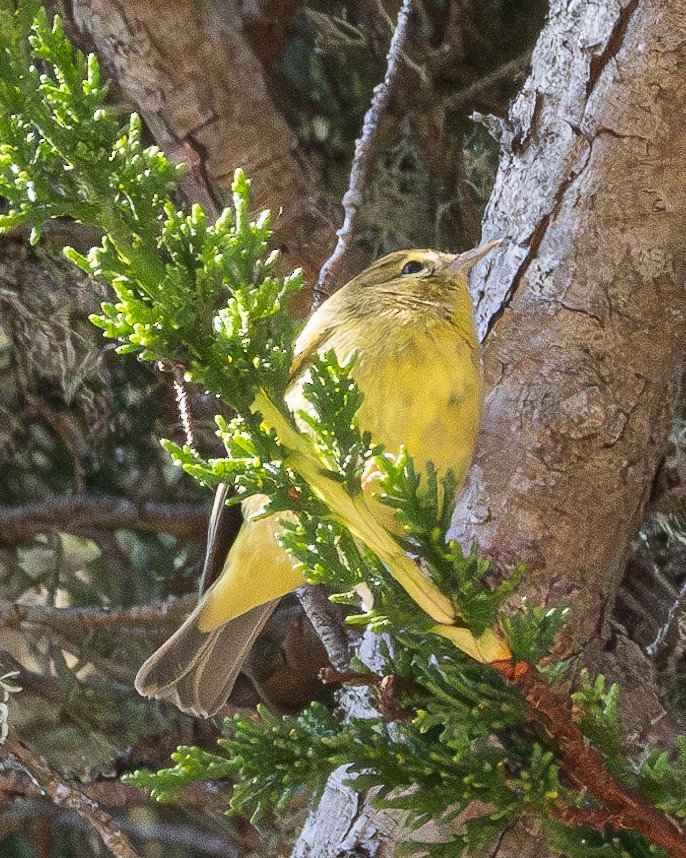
{"points": [[93, 516], [436, 166]]}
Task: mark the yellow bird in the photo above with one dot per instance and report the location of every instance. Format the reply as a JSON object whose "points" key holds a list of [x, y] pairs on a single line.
{"points": [[409, 319]]}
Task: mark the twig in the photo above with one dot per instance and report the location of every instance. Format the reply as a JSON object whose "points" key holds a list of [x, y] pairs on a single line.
{"points": [[331, 676], [378, 18], [623, 808], [79, 620], [185, 415], [72, 513], [386, 688], [326, 621], [178, 836], [67, 796], [463, 98], [365, 150], [63, 424]]}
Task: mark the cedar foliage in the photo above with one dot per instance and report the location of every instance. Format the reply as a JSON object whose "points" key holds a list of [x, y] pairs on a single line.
{"points": [[205, 296]]}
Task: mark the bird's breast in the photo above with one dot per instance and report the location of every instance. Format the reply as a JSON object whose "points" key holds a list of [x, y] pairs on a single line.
{"points": [[421, 385], [426, 394]]}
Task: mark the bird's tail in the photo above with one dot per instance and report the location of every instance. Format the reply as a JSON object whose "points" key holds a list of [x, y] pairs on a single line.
{"points": [[195, 670]]}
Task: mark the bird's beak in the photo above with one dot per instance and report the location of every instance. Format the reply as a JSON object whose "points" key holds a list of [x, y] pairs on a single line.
{"points": [[465, 261]]}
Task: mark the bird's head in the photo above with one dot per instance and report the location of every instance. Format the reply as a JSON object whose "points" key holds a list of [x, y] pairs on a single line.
{"points": [[406, 288], [420, 279]]}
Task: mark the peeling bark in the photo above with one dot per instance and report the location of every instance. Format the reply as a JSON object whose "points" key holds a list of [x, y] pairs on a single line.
{"points": [[345, 825]]}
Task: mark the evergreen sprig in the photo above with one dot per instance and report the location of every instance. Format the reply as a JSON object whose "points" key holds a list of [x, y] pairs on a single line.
{"points": [[423, 507], [531, 631], [204, 295], [662, 776], [200, 294], [197, 294], [445, 758], [597, 713], [465, 743], [334, 400]]}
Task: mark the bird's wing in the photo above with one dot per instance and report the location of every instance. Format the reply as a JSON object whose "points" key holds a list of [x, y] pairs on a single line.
{"points": [[256, 570], [196, 671], [355, 513], [358, 517], [225, 522]]}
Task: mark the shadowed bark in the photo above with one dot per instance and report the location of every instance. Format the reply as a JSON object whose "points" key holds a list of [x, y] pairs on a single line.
{"points": [[191, 72]]}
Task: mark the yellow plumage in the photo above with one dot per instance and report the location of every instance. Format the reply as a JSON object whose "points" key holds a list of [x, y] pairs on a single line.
{"points": [[409, 319]]}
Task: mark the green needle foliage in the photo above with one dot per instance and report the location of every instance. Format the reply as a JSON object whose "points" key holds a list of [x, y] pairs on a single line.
{"points": [[205, 296], [201, 295]]}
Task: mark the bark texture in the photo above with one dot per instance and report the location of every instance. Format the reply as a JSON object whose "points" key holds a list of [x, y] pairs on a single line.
{"points": [[584, 312], [345, 824], [584, 317], [192, 73]]}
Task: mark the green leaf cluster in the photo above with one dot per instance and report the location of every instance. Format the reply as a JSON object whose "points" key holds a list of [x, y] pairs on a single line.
{"points": [[580, 841], [334, 401], [441, 760], [662, 776], [466, 741], [198, 293], [530, 632], [204, 295], [275, 758], [193, 764], [423, 507], [656, 773]]}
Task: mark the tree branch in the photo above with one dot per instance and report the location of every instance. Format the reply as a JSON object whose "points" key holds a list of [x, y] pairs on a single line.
{"points": [[623, 808], [365, 152], [50, 688], [326, 621], [79, 620], [73, 513], [68, 796], [156, 833]]}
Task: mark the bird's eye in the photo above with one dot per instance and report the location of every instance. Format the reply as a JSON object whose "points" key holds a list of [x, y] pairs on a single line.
{"points": [[413, 267]]}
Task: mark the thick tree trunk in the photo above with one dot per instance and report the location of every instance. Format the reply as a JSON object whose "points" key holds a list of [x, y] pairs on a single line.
{"points": [[585, 309], [191, 71], [584, 317]]}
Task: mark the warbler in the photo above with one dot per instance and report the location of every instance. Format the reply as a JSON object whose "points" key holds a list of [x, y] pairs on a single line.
{"points": [[409, 320]]}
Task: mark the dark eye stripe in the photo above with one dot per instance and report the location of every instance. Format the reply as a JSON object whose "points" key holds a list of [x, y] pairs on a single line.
{"points": [[412, 267]]}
